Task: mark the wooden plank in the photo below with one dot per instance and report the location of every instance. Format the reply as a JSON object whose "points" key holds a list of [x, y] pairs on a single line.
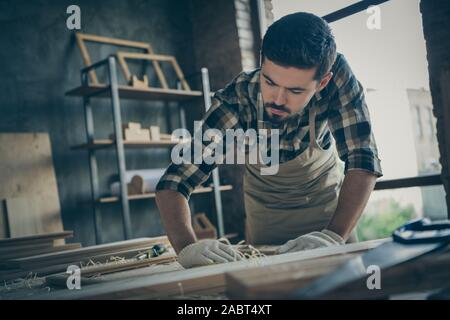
{"points": [[82, 37], [205, 279], [427, 273], [13, 274], [105, 143], [38, 251], [57, 267], [141, 272], [278, 281], [112, 267], [422, 181], [180, 74], [26, 166], [25, 215], [35, 239], [85, 56], [82, 253], [26, 247], [203, 227], [129, 92], [122, 56]]}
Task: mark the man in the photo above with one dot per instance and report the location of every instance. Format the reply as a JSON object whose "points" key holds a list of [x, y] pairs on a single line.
{"points": [[307, 91]]}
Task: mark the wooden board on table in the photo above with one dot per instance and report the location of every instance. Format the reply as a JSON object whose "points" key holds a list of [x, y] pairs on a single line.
{"points": [[46, 269], [26, 170], [13, 274], [427, 273], [276, 281], [27, 215], [76, 255], [37, 250], [34, 239], [201, 280]]}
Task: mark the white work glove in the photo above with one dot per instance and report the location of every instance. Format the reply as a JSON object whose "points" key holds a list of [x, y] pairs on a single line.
{"points": [[313, 240], [206, 252]]}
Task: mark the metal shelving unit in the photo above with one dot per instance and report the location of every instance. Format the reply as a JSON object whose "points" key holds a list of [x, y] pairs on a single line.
{"points": [[115, 92]]}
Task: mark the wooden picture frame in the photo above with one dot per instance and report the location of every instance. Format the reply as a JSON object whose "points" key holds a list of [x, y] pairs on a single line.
{"points": [[122, 56], [82, 38]]}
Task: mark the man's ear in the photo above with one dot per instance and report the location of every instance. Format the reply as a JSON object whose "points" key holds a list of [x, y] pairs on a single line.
{"points": [[323, 83]]}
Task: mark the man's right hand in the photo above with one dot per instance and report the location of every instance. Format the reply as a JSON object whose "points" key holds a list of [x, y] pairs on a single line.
{"points": [[207, 252]]}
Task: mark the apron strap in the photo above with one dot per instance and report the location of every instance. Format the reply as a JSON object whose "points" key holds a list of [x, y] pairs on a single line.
{"points": [[312, 129], [260, 112]]}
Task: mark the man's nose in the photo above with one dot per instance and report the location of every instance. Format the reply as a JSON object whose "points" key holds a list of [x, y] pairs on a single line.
{"points": [[280, 98]]}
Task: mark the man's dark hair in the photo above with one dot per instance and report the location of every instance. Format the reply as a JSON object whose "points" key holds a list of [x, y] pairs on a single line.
{"points": [[300, 40]]}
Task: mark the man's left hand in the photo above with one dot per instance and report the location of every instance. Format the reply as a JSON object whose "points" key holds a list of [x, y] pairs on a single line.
{"points": [[313, 240]]}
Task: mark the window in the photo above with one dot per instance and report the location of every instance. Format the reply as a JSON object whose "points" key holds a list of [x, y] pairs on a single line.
{"points": [[391, 64]]}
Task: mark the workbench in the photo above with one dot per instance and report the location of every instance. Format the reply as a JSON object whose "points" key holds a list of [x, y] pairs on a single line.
{"points": [[269, 277]]}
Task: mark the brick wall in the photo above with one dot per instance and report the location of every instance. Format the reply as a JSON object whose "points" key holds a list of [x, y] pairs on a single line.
{"points": [[246, 35]]}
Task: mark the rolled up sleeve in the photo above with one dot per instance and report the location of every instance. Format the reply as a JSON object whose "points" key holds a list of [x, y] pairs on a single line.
{"points": [[350, 124], [222, 115]]}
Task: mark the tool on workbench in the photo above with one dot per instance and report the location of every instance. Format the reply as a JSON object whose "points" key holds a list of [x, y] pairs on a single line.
{"points": [[154, 251], [414, 239]]}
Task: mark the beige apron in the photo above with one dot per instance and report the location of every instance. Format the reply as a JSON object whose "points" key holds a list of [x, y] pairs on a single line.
{"points": [[300, 198]]}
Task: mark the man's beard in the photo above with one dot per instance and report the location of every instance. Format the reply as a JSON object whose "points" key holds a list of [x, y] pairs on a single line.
{"points": [[275, 118]]}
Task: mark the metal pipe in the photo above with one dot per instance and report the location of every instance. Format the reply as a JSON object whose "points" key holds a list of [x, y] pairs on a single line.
{"points": [[215, 172], [93, 170], [119, 146]]}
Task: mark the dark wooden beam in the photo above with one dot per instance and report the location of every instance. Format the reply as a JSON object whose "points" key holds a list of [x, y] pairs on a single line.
{"points": [[351, 9], [431, 180]]}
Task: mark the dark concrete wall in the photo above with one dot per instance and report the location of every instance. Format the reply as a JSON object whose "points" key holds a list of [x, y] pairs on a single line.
{"points": [[39, 62], [436, 25]]}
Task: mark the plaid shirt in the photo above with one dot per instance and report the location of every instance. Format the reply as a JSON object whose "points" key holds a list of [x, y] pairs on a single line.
{"points": [[341, 111]]}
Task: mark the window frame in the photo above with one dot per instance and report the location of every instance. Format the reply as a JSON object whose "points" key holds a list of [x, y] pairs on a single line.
{"points": [[407, 182]]}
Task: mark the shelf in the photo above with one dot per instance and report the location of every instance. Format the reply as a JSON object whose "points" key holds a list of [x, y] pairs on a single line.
{"points": [[128, 92], [106, 143], [152, 194]]}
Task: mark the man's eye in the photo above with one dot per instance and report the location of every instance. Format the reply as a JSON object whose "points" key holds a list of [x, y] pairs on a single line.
{"points": [[269, 83], [296, 92]]}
